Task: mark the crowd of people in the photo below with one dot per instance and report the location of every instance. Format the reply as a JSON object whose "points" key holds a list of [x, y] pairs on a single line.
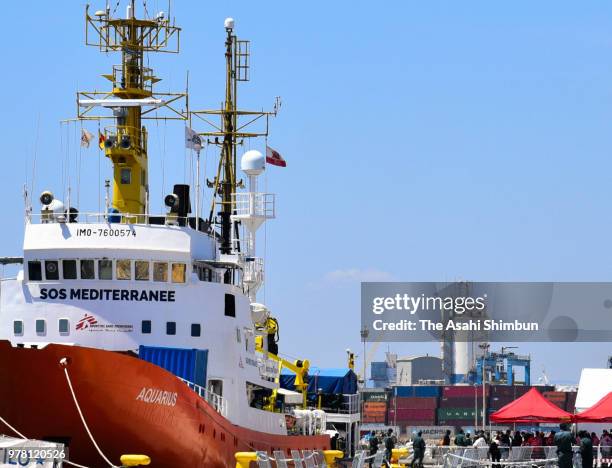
{"points": [[498, 444], [565, 442]]}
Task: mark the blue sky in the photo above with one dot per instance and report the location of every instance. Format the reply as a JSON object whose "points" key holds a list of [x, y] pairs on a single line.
{"points": [[430, 140]]}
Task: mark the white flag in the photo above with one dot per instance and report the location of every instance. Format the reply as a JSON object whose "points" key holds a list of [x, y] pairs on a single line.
{"points": [[86, 138], [192, 139]]}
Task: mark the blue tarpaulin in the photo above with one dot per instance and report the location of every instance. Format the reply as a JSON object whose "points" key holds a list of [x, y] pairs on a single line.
{"points": [[330, 381]]}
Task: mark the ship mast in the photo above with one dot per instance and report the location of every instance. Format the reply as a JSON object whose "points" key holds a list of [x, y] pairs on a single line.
{"points": [[131, 100], [228, 134]]}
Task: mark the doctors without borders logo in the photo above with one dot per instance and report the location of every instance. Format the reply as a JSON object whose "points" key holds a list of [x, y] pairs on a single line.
{"points": [[86, 322], [475, 312]]}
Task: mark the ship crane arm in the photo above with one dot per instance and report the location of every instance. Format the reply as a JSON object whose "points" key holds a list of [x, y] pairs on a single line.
{"points": [[298, 367]]}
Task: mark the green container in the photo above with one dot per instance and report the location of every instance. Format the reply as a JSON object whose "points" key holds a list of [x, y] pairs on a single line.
{"points": [[456, 413]]}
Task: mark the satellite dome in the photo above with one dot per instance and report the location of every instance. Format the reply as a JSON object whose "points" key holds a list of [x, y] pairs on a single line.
{"points": [[253, 163]]}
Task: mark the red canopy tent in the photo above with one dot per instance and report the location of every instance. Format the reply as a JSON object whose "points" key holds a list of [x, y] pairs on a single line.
{"points": [[600, 412], [531, 407]]}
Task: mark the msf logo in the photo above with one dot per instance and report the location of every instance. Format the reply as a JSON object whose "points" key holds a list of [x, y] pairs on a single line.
{"points": [[86, 322]]}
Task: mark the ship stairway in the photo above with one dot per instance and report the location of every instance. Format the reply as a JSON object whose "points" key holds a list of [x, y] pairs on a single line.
{"points": [[218, 402]]}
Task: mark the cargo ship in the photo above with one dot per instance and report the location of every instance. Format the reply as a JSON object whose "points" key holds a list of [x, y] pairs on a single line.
{"points": [[129, 332]]}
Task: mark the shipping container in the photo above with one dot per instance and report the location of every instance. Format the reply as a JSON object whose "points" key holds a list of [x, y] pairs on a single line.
{"points": [[373, 419], [427, 391], [400, 391], [378, 395], [460, 402], [412, 414], [464, 391], [456, 413], [500, 401], [189, 364], [414, 402], [375, 404]]}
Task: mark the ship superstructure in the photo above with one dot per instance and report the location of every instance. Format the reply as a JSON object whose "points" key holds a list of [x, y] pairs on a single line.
{"points": [[116, 299]]}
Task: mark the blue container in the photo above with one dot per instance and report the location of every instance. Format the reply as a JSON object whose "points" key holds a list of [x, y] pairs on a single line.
{"points": [[427, 391], [404, 391], [189, 364]]}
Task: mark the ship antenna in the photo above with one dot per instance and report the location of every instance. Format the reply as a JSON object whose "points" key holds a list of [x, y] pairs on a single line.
{"points": [[228, 134]]}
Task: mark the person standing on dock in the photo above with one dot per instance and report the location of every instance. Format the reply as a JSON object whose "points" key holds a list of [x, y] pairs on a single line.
{"points": [[460, 439], [563, 441], [586, 449], [389, 446], [418, 447]]}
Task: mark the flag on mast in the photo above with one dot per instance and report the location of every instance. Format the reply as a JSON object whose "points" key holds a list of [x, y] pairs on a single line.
{"points": [[101, 139], [273, 157], [192, 139], [86, 138]]}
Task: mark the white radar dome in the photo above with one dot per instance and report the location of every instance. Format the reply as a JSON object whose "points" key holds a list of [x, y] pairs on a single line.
{"points": [[253, 163], [229, 23]]}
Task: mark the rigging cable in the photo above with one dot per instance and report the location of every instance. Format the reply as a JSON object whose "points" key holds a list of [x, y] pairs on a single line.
{"points": [[64, 364], [35, 151]]}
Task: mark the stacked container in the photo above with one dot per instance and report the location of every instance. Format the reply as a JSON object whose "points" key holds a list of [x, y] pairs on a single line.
{"points": [[374, 406], [558, 398], [414, 405]]}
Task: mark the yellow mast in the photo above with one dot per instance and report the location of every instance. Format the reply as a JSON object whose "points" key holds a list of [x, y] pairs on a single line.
{"points": [[131, 98]]}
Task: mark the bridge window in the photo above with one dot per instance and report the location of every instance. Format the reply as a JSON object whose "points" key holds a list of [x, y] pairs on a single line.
{"points": [[126, 175], [196, 329], [18, 327], [70, 269], [160, 272], [41, 327], [63, 326], [123, 269], [34, 271], [145, 327], [178, 272], [142, 270], [170, 328], [230, 305], [105, 269], [87, 269], [51, 270]]}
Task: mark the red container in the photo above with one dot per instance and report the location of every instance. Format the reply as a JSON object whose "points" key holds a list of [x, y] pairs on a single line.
{"points": [[375, 405], [498, 402], [373, 419], [407, 414], [414, 403], [460, 402], [463, 391], [502, 390]]}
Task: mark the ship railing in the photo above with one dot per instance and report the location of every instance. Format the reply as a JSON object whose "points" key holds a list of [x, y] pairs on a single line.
{"points": [[348, 405], [253, 271], [254, 204], [111, 218], [218, 402], [450, 456]]}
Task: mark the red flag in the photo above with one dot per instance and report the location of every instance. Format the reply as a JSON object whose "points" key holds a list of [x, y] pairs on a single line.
{"points": [[273, 157]]}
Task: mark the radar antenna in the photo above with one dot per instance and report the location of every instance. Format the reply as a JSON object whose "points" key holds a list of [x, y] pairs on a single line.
{"points": [[131, 100]]}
